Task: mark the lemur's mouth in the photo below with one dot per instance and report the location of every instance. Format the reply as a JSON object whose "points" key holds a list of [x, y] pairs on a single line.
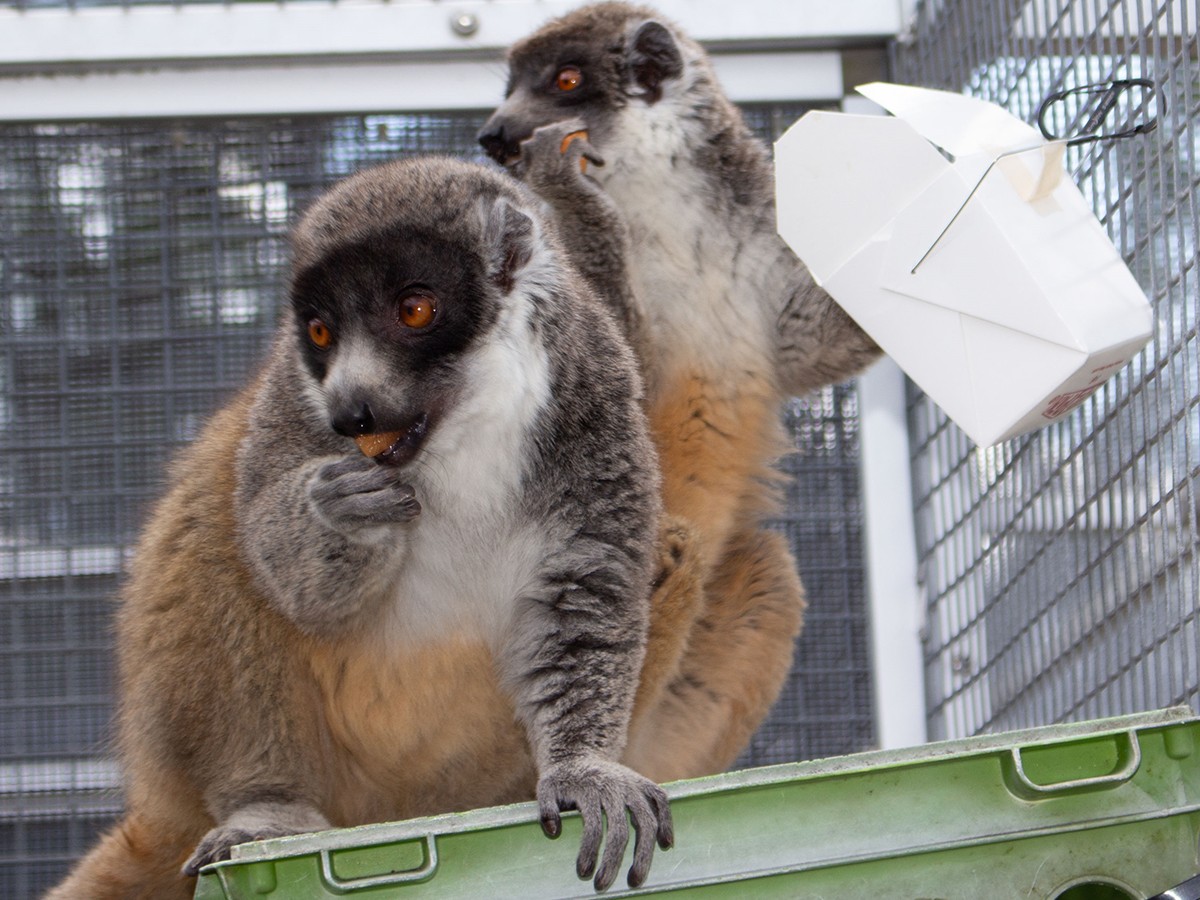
{"points": [[507, 157], [395, 448], [499, 144]]}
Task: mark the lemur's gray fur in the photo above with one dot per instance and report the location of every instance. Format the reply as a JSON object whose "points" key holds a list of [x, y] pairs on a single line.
{"points": [[284, 628], [535, 507], [695, 186]]}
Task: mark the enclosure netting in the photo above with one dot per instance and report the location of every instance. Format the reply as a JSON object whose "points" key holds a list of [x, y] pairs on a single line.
{"points": [[140, 274], [1061, 568]]}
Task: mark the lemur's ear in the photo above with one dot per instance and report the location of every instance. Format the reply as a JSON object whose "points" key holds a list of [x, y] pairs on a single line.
{"points": [[654, 57], [509, 237]]}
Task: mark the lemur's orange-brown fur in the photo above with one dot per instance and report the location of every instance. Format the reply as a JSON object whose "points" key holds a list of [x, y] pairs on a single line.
{"points": [[738, 654], [372, 726], [138, 859], [715, 442]]}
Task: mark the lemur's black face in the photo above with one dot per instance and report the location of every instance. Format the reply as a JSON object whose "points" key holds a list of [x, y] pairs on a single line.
{"points": [[382, 325], [587, 65]]}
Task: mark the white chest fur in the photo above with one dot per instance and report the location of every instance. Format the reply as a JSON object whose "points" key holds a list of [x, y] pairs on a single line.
{"points": [[462, 575], [472, 552], [697, 270]]}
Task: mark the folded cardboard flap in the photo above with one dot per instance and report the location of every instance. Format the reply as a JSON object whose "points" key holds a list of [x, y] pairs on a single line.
{"points": [[1022, 307], [966, 127], [873, 170]]}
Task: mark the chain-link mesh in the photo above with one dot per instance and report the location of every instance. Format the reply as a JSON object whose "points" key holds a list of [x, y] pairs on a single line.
{"points": [[1061, 568], [140, 271]]}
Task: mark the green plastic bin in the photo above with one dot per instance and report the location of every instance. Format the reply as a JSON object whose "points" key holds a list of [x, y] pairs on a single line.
{"points": [[1103, 810]]}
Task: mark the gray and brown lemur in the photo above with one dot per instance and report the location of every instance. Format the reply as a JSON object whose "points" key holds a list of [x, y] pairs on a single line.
{"points": [[408, 570], [728, 323]]}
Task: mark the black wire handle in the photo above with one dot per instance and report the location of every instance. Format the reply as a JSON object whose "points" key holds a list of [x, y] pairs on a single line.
{"points": [[1109, 94]]}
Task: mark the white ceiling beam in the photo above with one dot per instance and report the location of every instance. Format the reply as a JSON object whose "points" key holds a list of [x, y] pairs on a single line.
{"points": [[198, 34]]}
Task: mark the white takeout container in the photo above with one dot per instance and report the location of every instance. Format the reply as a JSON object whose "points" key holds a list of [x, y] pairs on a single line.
{"points": [[1023, 307]]}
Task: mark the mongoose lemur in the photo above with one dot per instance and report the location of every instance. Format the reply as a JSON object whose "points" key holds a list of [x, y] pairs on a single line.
{"points": [[730, 323], [408, 569]]}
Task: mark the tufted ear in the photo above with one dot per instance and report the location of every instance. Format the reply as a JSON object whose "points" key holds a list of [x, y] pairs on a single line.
{"points": [[509, 237], [654, 57]]}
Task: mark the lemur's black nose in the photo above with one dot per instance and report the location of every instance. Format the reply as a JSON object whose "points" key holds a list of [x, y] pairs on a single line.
{"points": [[352, 419], [496, 143]]}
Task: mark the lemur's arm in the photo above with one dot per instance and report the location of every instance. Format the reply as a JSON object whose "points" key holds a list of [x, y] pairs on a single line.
{"points": [[573, 655], [818, 343], [586, 220], [573, 663]]}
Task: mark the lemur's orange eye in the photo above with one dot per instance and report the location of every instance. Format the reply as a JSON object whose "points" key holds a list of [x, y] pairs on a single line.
{"points": [[568, 78], [320, 334], [417, 310]]}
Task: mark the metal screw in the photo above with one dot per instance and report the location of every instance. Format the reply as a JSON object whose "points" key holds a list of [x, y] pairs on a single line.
{"points": [[464, 24]]}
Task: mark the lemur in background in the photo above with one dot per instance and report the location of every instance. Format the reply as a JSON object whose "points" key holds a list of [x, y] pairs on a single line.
{"points": [[728, 323], [408, 570]]}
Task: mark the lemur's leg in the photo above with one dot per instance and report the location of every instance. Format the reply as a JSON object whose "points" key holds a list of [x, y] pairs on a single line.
{"points": [[676, 603], [737, 658]]}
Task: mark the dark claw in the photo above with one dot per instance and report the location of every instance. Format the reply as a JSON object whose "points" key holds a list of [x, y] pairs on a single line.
{"points": [[662, 811], [584, 868]]}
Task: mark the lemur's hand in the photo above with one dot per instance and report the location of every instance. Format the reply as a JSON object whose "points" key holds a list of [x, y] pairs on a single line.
{"points": [[556, 155], [354, 494], [254, 822], [602, 790]]}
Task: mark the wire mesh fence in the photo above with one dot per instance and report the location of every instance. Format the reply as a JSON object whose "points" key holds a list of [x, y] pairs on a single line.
{"points": [[127, 4], [1061, 568], [140, 274]]}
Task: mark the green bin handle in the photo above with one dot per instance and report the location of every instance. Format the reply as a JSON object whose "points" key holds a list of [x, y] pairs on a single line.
{"points": [[349, 885], [1129, 759]]}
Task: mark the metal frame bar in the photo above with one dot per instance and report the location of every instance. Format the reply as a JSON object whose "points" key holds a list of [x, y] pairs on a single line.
{"points": [[355, 86]]}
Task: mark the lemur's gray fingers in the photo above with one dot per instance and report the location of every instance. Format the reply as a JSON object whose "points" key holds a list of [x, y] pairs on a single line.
{"points": [[617, 840], [254, 822], [665, 833], [590, 810], [210, 850], [355, 493], [581, 148], [555, 150], [342, 479], [652, 824], [217, 844], [607, 792], [572, 140], [389, 507]]}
